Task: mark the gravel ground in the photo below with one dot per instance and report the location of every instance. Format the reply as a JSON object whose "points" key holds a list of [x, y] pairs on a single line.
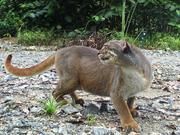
{"points": [[21, 110]]}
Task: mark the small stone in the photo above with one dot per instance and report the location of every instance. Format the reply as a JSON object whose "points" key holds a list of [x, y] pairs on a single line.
{"points": [[55, 130], [62, 131], [178, 77], [75, 120], [22, 123], [84, 133], [157, 117], [104, 107], [1, 74], [78, 114], [170, 118], [69, 109], [167, 49], [35, 109], [133, 133], [160, 51], [87, 130], [159, 71], [166, 89], [25, 110], [8, 98], [29, 133], [44, 78], [156, 104], [163, 101], [23, 86], [154, 133], [32, 48], [9, 78], [92, 108], [104, 131], [177, 132], [49, 133]]}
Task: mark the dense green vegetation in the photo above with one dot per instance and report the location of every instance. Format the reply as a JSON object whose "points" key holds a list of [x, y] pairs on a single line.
{"points": [[150, 23]]}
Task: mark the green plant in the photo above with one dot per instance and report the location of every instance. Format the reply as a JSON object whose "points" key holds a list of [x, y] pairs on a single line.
{"points": [[7, 29], [50, 106], [108, 13], [10, 24], [164, 41], [123, 21], [78, 33], [91, 119], [75, 18], [35, 37], [120, 36]]}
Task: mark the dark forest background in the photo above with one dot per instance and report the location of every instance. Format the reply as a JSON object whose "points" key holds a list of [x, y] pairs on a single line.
{"points": [[152, 23]]}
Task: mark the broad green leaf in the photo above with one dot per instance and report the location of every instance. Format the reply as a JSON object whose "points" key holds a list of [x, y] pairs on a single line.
{"points": [[96, 18]]}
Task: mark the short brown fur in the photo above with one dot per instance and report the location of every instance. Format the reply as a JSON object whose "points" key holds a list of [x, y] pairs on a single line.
{"points": [[44, 65], [80, 68]]}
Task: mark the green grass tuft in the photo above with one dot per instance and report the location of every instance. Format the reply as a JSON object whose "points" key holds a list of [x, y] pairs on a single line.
{"points": [[91, 119], [50, 106]]}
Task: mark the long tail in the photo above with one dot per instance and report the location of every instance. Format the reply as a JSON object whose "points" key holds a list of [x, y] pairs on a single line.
{"points": [[44, 65]]}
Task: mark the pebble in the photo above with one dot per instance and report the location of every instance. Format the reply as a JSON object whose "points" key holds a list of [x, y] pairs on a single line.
{"points": [[9, 78], [62, 131], [154, 133], [35, 109], [157, 117], [104, 107], [133, 133], [69, 109], [92, 108], [104, 131], [178, 77], [8, 98], [177, 132]]}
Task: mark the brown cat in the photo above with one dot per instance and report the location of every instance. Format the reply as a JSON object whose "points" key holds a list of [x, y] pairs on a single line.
{"points": [[118, 70]]}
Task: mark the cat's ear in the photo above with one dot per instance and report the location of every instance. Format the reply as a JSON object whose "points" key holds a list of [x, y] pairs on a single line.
{"points": [[126, 47]]}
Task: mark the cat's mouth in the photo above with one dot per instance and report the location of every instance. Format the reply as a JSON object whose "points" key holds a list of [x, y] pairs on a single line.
{"points": [[106, 57]]}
